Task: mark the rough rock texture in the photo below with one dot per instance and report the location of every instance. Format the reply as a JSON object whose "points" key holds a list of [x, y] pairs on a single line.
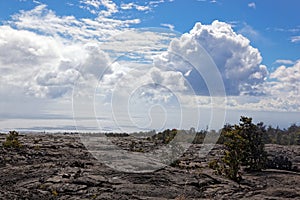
{"points": [[58, 166]]}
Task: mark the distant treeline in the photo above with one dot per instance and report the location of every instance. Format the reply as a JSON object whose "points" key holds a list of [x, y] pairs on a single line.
{"points": [[271, 135], [290, 136]]}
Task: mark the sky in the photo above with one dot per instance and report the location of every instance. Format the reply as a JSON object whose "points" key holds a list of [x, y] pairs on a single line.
{"points": [[124, 66]]}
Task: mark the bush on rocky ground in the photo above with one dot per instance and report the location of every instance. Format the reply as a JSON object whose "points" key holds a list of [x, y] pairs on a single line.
{"points": [[12, 140]]}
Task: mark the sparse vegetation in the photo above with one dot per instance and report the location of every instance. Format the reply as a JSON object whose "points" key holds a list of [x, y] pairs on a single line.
{"points": [[37, 147], [12, 140], [280, 162], [54, 193], [199, 137], [116, 134], [166, 136], [136, 147]]}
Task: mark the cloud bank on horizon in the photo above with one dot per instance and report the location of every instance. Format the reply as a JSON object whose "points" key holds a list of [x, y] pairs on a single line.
{"points": [[44, 54]]}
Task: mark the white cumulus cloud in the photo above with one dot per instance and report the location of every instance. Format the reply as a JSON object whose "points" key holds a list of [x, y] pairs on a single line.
{"points": [[287, 74], [282, 92], [47, 67], [238, 62]]}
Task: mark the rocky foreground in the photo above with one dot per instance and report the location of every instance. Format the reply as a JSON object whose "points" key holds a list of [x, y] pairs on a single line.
{"points": [[58, 166]]}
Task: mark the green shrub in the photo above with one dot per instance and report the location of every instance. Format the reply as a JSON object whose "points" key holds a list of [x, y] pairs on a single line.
{"points": [[166, 136], [12, 140], [279, 162], [217, 166]]}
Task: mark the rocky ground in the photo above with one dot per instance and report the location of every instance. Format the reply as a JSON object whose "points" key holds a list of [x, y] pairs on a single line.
{"points": [[58, 166]]}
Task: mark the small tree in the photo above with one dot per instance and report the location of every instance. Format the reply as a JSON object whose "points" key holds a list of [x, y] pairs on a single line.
{"points": [[243, 147], [254, 157], [233, 157]]}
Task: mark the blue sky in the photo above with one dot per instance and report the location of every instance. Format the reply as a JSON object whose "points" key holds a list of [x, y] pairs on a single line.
{"points": [[254, 46]]}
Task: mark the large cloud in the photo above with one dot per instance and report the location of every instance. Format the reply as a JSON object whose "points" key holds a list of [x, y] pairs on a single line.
{"points": [[47, 67], [282, 92], [23, 48], [238, 62], [288, 75], [285, 87], [46, 54]]}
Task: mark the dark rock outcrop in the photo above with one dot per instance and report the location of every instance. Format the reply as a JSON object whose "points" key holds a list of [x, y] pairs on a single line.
{"points": [[58, 166]]}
